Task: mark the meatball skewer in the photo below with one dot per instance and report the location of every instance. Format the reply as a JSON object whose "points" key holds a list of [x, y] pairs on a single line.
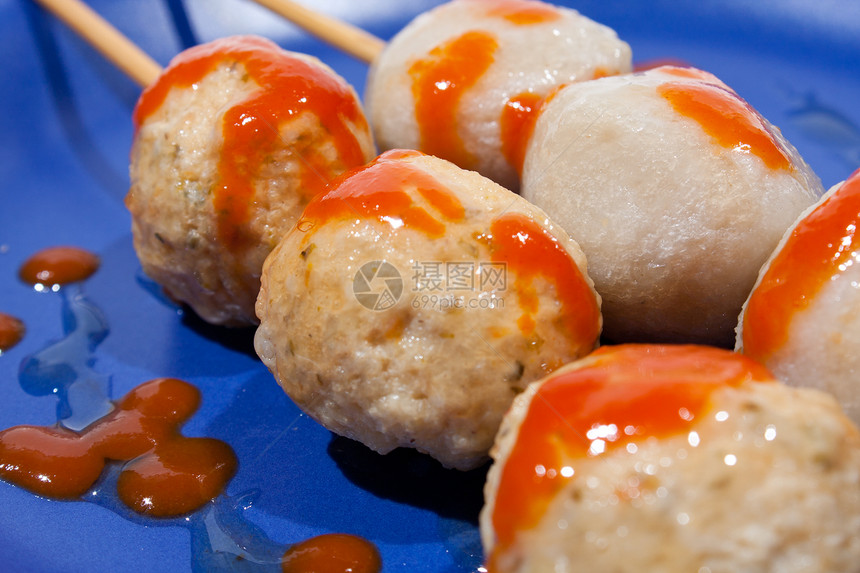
{"points": [[677, 190], [672, 458], [231, 141], [464, 81], [414, 300]]}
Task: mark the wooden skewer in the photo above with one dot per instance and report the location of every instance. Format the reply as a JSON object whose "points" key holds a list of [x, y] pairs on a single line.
{"points": [[346, 37], [106, 39]]}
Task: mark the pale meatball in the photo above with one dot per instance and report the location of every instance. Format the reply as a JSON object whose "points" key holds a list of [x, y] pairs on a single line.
{"points": [[414, 300], [801, 319], [673, 459], [677, 191], [464, 80], [230, 143]]}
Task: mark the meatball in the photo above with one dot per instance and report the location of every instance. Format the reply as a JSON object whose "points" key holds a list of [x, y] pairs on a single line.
{"points": [[677, 191], [463, 80], [673, 459], [230, 144], [414, 300], [801, 318]]}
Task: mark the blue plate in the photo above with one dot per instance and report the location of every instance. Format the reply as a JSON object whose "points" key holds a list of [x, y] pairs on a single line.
{"points": [[65, 129]]}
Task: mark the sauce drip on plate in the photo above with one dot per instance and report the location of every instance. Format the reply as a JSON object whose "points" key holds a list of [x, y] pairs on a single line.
{"points": [[332, 553], [728, 119], [167, 474], [631, 392], [288, 86], [819, 249], [58, 266], [11, 331], [439, 82]]}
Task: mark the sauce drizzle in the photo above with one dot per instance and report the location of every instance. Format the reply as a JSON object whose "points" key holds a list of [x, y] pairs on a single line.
{"points": [[167, 474], [531, 251], [439, 82], [288, 86], [523, 12], [57, 266], [517, 124], [632, 391], [820, 248], [728, 119], [376, 191]]}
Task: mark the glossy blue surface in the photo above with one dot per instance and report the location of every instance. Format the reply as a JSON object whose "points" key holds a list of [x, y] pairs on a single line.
{"points": [[65, 132]]}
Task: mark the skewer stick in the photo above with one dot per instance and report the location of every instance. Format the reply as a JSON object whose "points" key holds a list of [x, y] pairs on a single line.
{"points": [[346, 37], [106, 39]]}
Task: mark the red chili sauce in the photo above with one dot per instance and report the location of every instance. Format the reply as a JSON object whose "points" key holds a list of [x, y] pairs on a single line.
{"points": [[530, 251], [518, 119], [288, 86], [722, 114], [380, 191], [58, 266], [439, 82], [656, 390], [11, 331], [166, 475], [522, 12], [332, 553], [517, 123], [818, 250]]}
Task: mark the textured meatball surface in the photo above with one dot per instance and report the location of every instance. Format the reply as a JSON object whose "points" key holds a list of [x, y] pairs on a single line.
{"points": [[676, 216], [453, 82], [222, 166], [801, 318], [368, 328], [763, 478]]}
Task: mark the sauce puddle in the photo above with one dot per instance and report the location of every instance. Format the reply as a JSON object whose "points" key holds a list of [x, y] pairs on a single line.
{"points": [[81, 457]]}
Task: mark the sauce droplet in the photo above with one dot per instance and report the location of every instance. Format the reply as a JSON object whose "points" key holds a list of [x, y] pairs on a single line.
{"points": [[819, 249], [11, 331], [379, 191], [332, 553], [58, 266], [656, 390], [440, 81], [727, 118], [517, 125], [288, 87], [169, 474], [530, 251]]}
